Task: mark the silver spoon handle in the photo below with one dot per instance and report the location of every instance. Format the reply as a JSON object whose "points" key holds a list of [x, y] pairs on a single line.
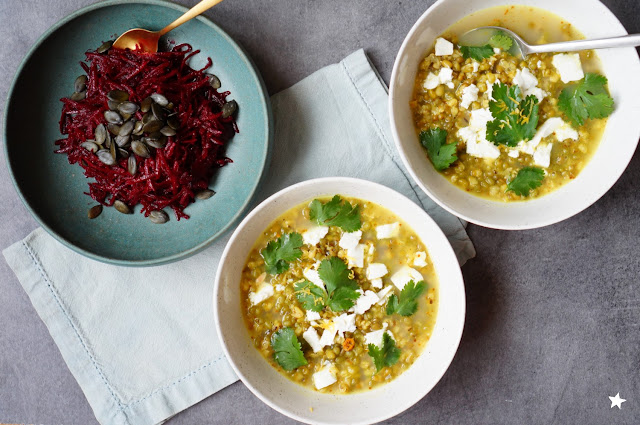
{"points": [[573, 46]]}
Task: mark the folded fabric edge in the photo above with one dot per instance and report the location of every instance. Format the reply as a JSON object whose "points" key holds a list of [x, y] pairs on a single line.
{"points": [[374, 94], [107, 406]]}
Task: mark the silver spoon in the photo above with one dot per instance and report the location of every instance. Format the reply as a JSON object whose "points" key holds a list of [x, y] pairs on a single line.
{"points": [[520, 48]]}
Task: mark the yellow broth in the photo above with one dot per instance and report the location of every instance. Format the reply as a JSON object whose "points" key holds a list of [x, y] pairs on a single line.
{"points": [[440, 107], [354, 369]]}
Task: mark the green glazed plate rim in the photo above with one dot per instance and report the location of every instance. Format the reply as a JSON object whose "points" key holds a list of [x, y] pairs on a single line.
{"points": [[264, 99]]}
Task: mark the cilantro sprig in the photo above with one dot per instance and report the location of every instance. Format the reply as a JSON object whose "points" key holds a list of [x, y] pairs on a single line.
{"points": [[341, 291], [528, 178], [441, 153], [501, 41], [336, 213], [515, 119], [477, 53], [587, 99], [287, 349], [407, 303], [386, 355], [280, 252]]}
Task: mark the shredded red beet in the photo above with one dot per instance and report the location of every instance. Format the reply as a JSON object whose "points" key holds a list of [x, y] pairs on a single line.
{"points": [[172, 175]]}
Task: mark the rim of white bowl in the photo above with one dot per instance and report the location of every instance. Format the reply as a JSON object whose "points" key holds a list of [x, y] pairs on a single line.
{"points": [[457, 331], [569, 212]]}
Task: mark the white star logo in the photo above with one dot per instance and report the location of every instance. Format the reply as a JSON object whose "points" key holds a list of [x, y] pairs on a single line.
{"points": [[617, 401]]}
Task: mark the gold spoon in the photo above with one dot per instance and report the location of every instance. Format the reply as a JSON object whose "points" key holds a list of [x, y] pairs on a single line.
{"points": [[148, 40]]}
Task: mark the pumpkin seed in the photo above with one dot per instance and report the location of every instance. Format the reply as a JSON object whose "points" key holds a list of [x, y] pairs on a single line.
{"points": [[156, 143], [128, 108], [167, 131], [105, 156], [122, 141], [107, 141], [118, 95], [205, 194], [140, 149], [160, 99], [125, 117], [90, 146], [114, 129], [112, 150], [145, 106], [112, 117], [158, 112], [137, 128], [127, 128], [78, 96], [229, 109], [152, 125], [94, 211], [80, 84], [158, 217], [172, 121], [123, 153], [214, 81], [100, 133], [113, 105], [132, 165], [105, 46], [122, 207]]}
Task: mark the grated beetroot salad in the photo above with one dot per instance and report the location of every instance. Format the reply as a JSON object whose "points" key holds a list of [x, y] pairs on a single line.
{"points": [[172, 175]]}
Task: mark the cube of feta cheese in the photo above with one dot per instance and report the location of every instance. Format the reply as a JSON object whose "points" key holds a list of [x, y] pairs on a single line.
{"points": [[443, 47], [432, 81], [376, 283], [365, 301], [497, 51], [569, 66], [314, 277], [420, 260], [514, 153], [329, 334], [469, 95], [314, 235], [264, 291], [404, 275], [542, 155], [375, 337], [279, 287], [312, 315], [476, 66], [384, 294], [387, 231], [444, 76], [376, 270], [565, 131], [345, 323], [349, 240], [311, 336], [324, 377], [528, 84], [355, 256], [475, 135]]}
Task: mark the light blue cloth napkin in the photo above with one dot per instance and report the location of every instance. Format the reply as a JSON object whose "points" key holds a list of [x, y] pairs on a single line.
{"points": [[141, 342]]}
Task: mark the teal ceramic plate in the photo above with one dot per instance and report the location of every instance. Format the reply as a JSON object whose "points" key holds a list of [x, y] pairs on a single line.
{"points": [[53, 190]]}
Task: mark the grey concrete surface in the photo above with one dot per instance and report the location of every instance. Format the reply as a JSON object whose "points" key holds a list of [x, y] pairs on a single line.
{"points": [[553, 324]]}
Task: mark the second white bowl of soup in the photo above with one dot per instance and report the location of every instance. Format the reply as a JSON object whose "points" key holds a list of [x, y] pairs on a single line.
{"points": [[339, 301], [508, 143]]}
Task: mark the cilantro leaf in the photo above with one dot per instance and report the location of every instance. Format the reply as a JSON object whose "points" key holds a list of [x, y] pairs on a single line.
{"points": [[501, 41], [387, 355], [441, 154], [336, 213], [587, 99], [528, 178], [287, 348], [477, 53], [279, 253], [514, 119], [407, 303], [341, 289], [311, 296]]}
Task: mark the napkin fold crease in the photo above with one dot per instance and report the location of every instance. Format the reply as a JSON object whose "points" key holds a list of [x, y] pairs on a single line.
{"points": [[141, 342]]}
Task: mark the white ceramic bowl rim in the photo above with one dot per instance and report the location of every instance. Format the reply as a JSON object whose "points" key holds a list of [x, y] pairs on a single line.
{"points": [[447, 332], [616, 149]]}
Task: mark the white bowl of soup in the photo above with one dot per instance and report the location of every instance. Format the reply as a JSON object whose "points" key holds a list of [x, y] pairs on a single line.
{"points": [[538, 168], [338, 300]]}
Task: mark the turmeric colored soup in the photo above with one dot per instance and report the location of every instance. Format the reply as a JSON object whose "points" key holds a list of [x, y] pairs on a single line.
{"points": [[345, 357]]}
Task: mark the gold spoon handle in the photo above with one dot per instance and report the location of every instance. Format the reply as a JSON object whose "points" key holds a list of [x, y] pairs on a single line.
{"points": [[190, 14]]}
